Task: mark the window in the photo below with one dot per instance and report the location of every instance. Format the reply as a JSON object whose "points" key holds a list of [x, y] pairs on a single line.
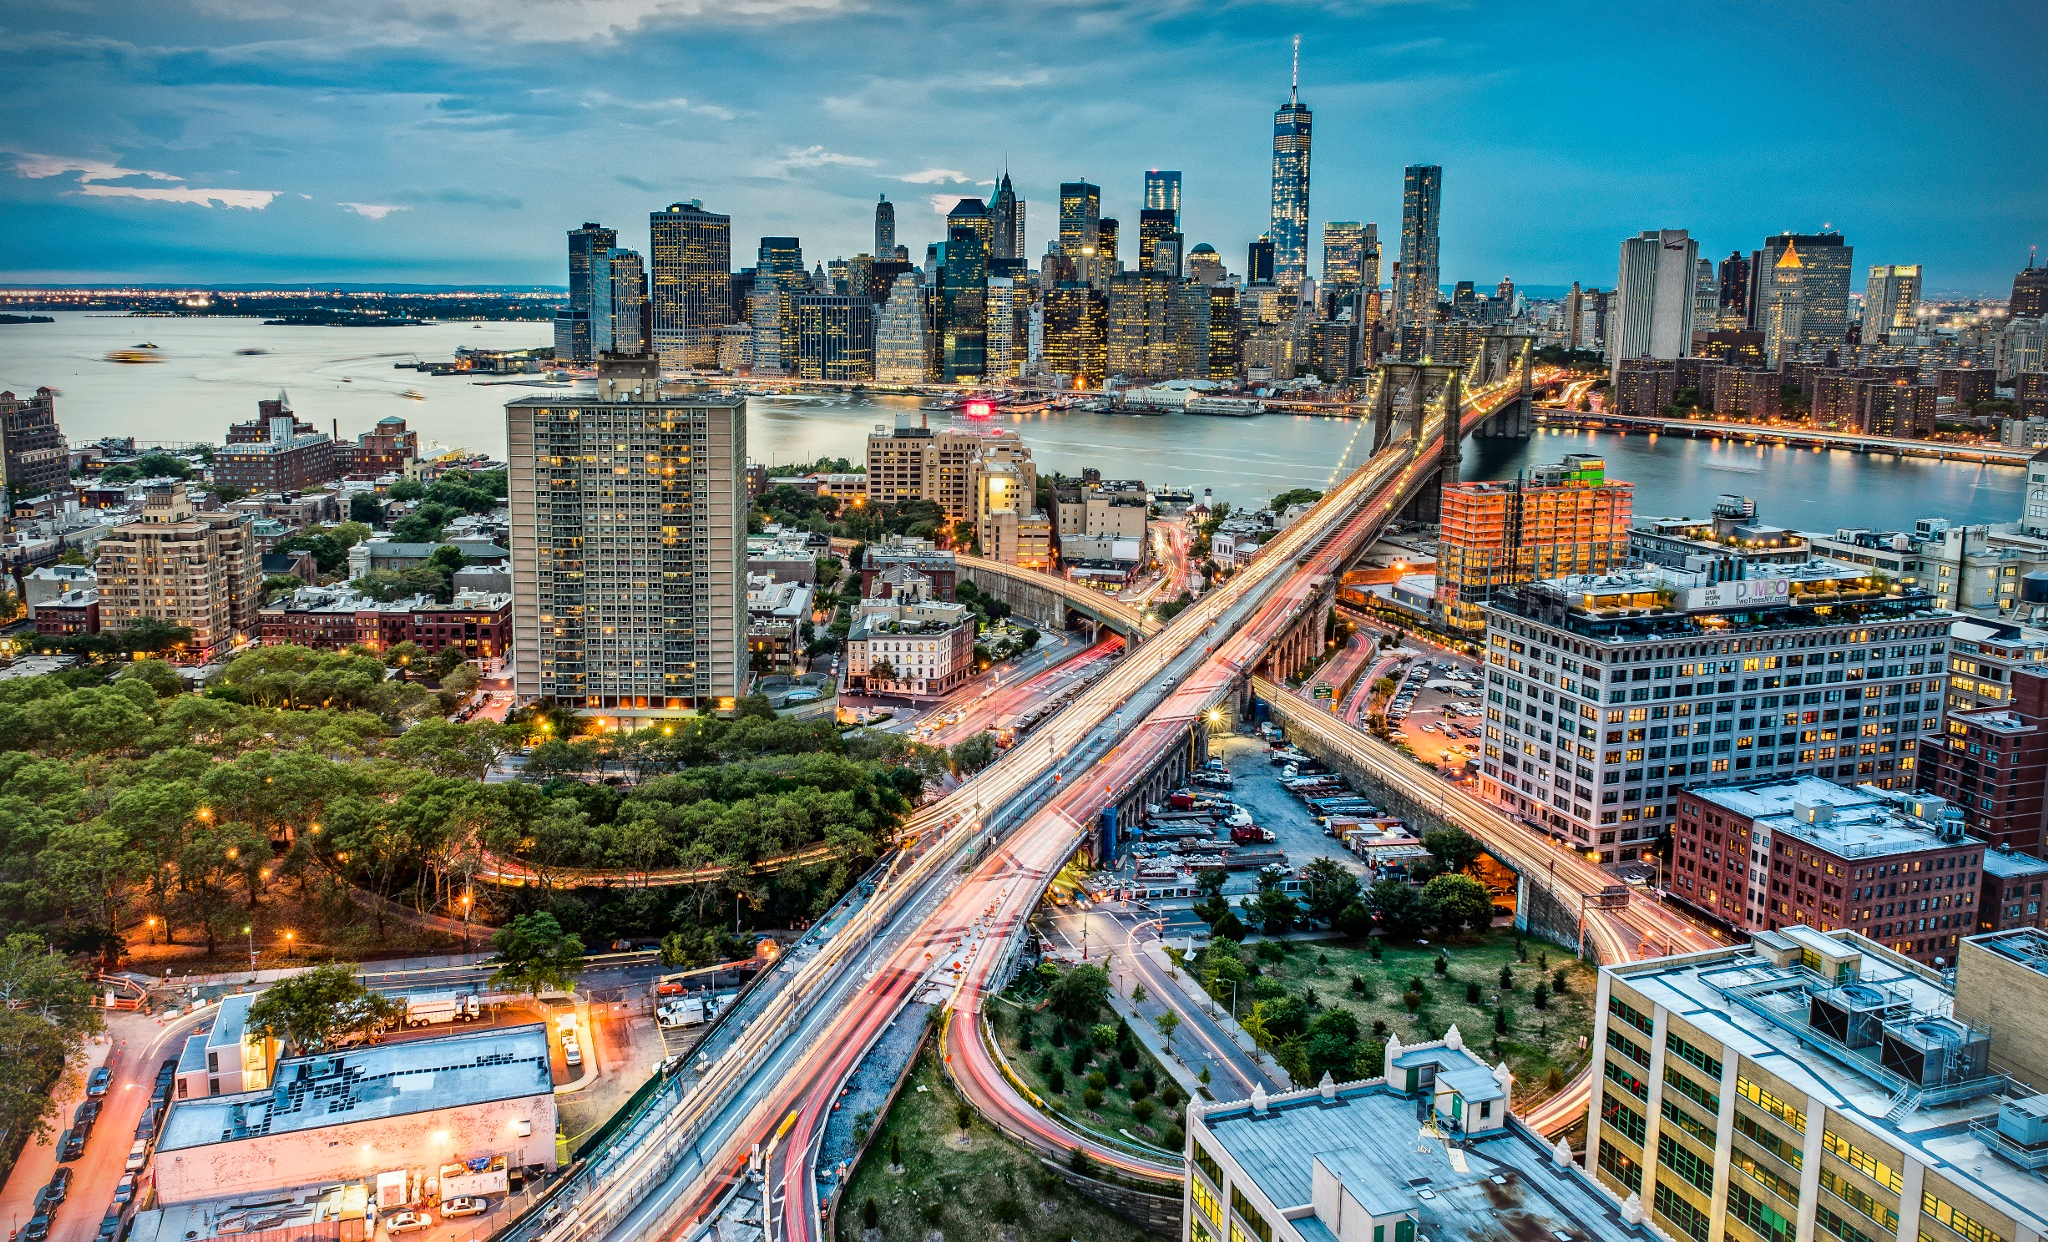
{"points": [[1862, 1161], [1763, 1175], [1255, 1224], [1694, 1056], [1758, 1215], [1691, 1090], [1828, 1219], [1619, 1167], [1680, 1160], [1628, 1013], [1770, 1103], [1635, 1085], [1205, 1199], [1687, 1122], [1856, 1197], [1753, 1130], [1955, 1220], [1688, 1219], [1207, 1164], [1624, 1119], [1628, 1047]]}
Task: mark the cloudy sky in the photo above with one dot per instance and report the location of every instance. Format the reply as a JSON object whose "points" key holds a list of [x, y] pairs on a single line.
{"points": [[453, 141]]}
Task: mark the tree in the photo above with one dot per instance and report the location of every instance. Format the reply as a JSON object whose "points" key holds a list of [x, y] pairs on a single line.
{"points": [[1029, 638], [881, 670], [1454, 849], [1079, 994], [1168, 1023], [537, 955], [1353, 921], [158, 675], [46, 1011], [974, 754], [1398, 908], [1330, 888], [1456, 901], [1210, 905], [1275, 911], [363, 507], [309, 1011]]}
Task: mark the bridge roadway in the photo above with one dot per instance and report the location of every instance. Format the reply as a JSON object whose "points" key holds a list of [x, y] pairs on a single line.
{"points": [[986, 916], [1107, 609], [1643, 928], [798, 1043]]}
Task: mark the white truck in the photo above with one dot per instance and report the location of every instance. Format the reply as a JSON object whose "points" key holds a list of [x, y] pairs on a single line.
{"points": [[435, 1008]]}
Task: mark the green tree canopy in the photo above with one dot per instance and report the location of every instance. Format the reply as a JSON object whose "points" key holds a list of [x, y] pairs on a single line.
{"points": [[308, 1011], [537, 955]]}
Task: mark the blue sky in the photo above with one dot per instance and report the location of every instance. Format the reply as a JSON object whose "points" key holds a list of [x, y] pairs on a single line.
{"points": [[455, 140]]}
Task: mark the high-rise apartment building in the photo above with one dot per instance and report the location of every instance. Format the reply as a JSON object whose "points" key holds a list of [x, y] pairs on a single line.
{"points": [[2029, 293], [1009, 327], [629, 524], [1554, 520], [903, 348], [1891, 303], [778, 278], [1417, 288], [1142, 342], [34, 455], [1815, 301], [1653, 297], [1159, 242], [181, 567], [587, 249], [1816, 1084], [835, 337], [914, 462], [618, 304], [1162, 193], [1289, 229], [1609, 696], [690, 284], [1343, 258]]}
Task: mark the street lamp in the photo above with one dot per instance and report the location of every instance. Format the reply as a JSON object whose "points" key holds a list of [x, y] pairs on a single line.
{"points": [[250, 932], [465, 920], [288, 945]]}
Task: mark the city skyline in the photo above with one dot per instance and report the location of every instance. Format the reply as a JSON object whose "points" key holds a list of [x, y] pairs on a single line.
{"points": [[242, 150]]}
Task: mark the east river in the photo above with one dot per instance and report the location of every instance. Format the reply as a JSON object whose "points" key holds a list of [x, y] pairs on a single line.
{"points": [[344, 378]]}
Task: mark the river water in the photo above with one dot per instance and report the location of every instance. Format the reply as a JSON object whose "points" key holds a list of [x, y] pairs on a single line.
{"points": [[343, 378]]}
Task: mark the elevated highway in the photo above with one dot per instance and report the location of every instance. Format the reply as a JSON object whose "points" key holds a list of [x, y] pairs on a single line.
{"points": [[1052, 600], [951, 910]]}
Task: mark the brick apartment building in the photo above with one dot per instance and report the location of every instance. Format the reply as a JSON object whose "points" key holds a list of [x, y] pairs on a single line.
{"points": [[1992, 763], [275, 452], [331, 618]]}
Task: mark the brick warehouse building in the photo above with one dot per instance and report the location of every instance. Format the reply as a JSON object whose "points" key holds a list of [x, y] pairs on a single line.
{"points": [[1992, 761], [331, 618]]}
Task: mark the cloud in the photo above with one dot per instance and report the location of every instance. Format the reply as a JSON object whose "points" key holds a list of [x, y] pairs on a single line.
{"points": [[38, 167], [251, 200], [937, 176], [525, 21], [605, 99], [638, 183], [373, 211], [819, 157], [943, 203]]}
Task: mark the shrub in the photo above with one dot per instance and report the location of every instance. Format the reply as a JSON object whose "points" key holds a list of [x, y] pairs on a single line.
{"points": [[1413, 1000], [1540, 997], [1059, 1035], [1024, 1036], [1129, 1056], [1374, 948], [1096, 1081], [1442, 966], [1143, 1110], [1008, 1210], [1174, 1139], [1379, 1030], [1553, 1079], [1358, 985], [1471, 991], [1137, 1089], [1057, 1080], [1113, 1073], [1500, 1020], [1170, 1096], [1150, 1079], [1080, 1062], [1560, 982], [1507, 978], [1092, 1098], [895, 1151], [1045, 1062], [869, 1217], [1078, 1161], [1415, 985], [963, 1115]]}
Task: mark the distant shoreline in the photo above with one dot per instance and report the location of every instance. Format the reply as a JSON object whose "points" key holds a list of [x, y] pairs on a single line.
{"points": [[4, 318]]}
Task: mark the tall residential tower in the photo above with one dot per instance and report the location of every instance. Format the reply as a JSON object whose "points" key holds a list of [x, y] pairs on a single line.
{"points": [[1416, 293], [1655, 295]]}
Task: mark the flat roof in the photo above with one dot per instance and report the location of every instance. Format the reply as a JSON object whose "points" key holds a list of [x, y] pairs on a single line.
{"points": [[1695, 987], [2026, 945], [362, 1084], [1859, 826], [1370, 1138]]}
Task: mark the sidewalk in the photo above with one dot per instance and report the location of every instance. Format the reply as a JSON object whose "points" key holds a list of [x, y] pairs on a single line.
{"points": [[1216, 1015]]}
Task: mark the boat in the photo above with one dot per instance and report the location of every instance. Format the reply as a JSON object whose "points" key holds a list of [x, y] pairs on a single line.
{"points": [[1228, 407], [251, 352], [141, 353], [413, 394]]}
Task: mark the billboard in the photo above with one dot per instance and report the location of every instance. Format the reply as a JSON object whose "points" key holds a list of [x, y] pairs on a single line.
{"points": [[1743, 593]]}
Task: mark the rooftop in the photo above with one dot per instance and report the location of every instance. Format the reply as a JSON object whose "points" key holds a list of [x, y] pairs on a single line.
{"points": [[2026, 945], [1863, 822], [389, 1080], [1369, 1138], [1759, 1008]]}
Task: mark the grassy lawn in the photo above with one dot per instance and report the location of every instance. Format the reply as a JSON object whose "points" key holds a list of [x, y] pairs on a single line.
{"points": [[1541, 1045], [1057, 1049], [977, 1185]]}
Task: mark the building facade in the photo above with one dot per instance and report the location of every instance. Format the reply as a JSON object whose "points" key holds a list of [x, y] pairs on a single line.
{"points": [[276, 453], [34, 455], [629, 515], [1416, 289], [835, 337], [1654, 297], [180, 567], [1992, 762], [1554, 521], [689, 293], [1609, 696], [1292, 126], [1891, 303]]}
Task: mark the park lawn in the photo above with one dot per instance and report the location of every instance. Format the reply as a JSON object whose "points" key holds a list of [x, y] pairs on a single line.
{"points": [[1538, 1040], [983, 1188], [1114, 1115]]}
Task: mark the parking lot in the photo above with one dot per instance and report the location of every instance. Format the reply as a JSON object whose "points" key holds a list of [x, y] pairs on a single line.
{"points": [[1438, 710]]}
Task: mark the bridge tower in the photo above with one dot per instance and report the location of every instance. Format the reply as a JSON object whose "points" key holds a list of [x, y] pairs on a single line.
{"points": [[1401, 402], [1500, 357]]}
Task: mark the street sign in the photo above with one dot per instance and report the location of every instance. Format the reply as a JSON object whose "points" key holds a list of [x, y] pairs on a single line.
{"points": [[1324, 692]]}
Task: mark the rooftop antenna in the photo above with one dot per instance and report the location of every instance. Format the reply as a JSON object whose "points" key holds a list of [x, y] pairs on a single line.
{"points": [[1294, 89]]}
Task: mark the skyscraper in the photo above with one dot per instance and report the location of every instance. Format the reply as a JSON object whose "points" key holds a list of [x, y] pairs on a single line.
{"points": [[1653, 308], [587, 245], [618, 304], [1080, 215], [1162, 193], [2030, 292], [778, 278], [885, 228], [1416, 292], [1106, 259], [1076, 334], [963, 296], [1891, 303], [1289, 229], [1824, 269], [690, 284], [1781, 308], [629, 530], [902, 345], [1734, 304], [1343, 257], [835, 336], [1706, 297], [1159, 242], [1258, 262], [1006, 221]]}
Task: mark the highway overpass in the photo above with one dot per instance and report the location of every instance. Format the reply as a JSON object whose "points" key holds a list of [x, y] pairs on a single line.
{"points": [[1053, 601]]}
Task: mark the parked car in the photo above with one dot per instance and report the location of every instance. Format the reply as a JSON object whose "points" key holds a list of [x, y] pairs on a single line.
{"points": [[87, 1112], [407, 1222], [60, 1185], [71, 1146], [124, 1191], [101, 1079], [470, 1205], [110, 1226], [138, 1156], [37, 1229]]}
